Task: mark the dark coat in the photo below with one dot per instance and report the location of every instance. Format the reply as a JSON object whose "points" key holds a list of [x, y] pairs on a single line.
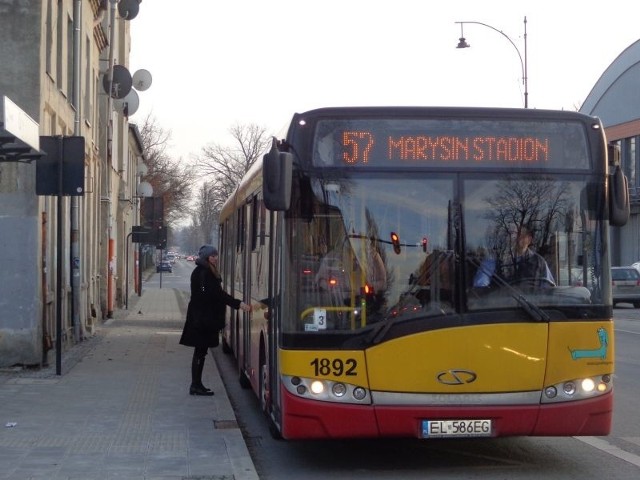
{"points": [[206, 310], [531, 267]]}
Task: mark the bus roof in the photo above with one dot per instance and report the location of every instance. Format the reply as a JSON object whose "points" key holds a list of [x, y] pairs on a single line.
{"points": [[469, 112]]}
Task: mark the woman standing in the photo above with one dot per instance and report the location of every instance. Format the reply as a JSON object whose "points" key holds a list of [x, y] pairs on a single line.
{"points": [[206, 314]]}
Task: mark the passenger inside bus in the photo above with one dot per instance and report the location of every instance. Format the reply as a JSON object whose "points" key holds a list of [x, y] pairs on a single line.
{"points": [[341, 268]]}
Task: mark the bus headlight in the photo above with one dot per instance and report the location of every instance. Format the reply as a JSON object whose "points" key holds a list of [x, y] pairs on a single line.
{"points": [[359, 393], [588, 385], [577, 389], [339, 389], [317, 387]]}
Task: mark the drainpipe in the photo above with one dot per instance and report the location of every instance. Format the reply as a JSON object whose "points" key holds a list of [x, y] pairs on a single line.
{"points": [[75, 216], [109, 161]]}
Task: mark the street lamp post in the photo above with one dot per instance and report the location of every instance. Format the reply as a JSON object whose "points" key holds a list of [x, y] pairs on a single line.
{"points": [[523, 64]]}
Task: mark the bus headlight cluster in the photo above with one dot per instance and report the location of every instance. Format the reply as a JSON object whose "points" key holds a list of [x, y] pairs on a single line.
{"points": [[326, 390], [577, 389]]}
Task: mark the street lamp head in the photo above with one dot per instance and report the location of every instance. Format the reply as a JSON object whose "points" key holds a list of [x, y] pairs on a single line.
{"points": [[523, 63], [463, 43]]}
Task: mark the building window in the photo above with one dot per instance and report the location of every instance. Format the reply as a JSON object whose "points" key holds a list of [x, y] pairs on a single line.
{"points": [[70, 61], [96, 111], [50, 41], [88, 82], [59, 46]]}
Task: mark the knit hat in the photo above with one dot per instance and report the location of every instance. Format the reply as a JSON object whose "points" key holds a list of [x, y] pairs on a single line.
{"points": [[207, 251]]}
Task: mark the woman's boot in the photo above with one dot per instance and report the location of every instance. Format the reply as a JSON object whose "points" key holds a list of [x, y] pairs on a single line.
{"points": [[196, 388]]}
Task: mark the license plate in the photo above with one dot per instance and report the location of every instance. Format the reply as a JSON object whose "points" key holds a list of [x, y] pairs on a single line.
{"points": [[456, 428]]}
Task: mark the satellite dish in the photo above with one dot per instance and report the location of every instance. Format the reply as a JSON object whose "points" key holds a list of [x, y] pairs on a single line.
{"points": [[122, 82], [141, 80], [144, 189], [128, 9], [142, 169], [127, 105]]}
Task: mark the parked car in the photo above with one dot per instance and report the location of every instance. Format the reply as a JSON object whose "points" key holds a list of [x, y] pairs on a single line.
{"points": [[625, 287], [164, 266], [576, 277]]}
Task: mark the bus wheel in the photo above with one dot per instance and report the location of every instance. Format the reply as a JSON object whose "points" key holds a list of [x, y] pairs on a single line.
{"points": [[244, 379], [264, 391], [226, 348], [273, 430]]}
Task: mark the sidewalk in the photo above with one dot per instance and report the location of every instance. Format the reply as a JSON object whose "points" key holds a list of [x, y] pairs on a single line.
{"points": [[121, 408]]}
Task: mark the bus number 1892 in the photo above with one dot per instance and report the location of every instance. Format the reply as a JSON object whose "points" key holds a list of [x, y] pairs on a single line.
{"points": [[337, 367]]}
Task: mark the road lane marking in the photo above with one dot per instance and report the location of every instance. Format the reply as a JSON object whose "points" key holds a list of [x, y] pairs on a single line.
{"points": [[626, 331], [606, 447]]}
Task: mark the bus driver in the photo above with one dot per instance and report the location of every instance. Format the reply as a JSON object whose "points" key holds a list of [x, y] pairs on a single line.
{"points": [[527, 265]]}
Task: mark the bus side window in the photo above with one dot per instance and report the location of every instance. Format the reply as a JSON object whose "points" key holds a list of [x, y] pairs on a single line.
{"points": [[255, 222]]}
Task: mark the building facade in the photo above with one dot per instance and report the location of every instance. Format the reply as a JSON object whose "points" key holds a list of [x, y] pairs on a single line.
{"points": [[615, 98], [54, 57]]}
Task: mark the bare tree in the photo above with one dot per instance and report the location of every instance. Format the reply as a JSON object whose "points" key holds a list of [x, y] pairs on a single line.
{"points": [[170, 178], [187, 238], [227, 165], [204, 218], [536, 202]]}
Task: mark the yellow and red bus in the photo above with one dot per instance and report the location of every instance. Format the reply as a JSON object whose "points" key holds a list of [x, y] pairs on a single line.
{"points": [[375, 244]]}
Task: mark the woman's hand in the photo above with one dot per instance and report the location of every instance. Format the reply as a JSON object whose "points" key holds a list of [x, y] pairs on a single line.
{"points": [[245, 308]]}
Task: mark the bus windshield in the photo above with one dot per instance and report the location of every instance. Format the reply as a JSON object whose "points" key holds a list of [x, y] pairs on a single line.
{"points": [[370, 248]]}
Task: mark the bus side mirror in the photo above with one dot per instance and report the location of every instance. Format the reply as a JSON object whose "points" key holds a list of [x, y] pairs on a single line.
{"points": [[619, 208], [277, 170]]}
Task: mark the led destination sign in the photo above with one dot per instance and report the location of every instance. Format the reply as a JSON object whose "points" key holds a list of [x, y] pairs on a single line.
{"points": [[450, 143], [357, 146]]}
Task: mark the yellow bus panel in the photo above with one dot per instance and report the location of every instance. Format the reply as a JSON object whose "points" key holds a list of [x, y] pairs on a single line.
{"points": [[470, 359], [580, 349]]}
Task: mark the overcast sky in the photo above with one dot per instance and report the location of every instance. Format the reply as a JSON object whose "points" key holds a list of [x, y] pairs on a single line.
{"points": [[217, 63]]}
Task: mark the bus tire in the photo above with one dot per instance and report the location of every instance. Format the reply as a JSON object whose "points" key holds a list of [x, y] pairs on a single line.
{"points": [[273, 430], [244, 379], [226, 348], [264, 392]]}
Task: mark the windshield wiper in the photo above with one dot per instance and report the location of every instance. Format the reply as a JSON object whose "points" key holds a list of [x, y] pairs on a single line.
{"points": [[533, 310], [379, 332], [381, 329]]}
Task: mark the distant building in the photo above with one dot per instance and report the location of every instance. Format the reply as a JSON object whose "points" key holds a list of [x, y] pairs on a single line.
{"points": [[615, 98]]}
